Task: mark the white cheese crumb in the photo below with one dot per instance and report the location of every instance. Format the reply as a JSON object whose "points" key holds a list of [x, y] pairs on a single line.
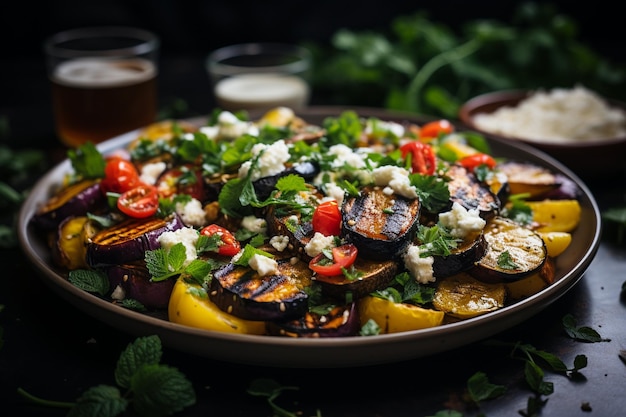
{"points": [[420, 268], [150, 172], [318, 243], [461, 222], [188, 236], [228, 126], [263, 265], [192, 213], [396, 178], [118, 293], [254, 224], [279, 242], [271, 162]]}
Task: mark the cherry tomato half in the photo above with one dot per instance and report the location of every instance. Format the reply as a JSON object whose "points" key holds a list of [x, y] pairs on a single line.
{"points": [[327, 218], [120, 175], [343, 257], [181, 180], [230, 245], [423, 159], [432, 129], [470, 162], [139, 202]]}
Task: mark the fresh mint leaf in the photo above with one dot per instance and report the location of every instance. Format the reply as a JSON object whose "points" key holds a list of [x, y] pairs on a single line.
{"points": [[163, 264], [481, 389], [535, 379], [506, 262], [265, 387], [92, 281], [143, 351], [101, 400], [432, 192], [583, 333], [160, 390]]}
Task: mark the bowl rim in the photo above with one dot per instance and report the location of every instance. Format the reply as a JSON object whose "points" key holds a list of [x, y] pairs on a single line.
{"points": [[504, 97]]}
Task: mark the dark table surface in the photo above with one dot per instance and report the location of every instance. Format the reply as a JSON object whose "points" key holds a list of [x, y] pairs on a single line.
{"points": [[55, 351]]}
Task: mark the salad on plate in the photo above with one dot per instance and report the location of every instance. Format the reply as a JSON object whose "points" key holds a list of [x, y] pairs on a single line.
{"points": [[275, 226]]}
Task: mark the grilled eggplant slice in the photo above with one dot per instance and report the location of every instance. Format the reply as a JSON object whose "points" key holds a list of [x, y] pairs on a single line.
{"points": [[462, 258], [263, 187], [242, 292], [378, 224], [370, 276], [135, 280], [472, 194], [129, 240], [75, 200], [340, 321], [513, 252], [526, 177]]}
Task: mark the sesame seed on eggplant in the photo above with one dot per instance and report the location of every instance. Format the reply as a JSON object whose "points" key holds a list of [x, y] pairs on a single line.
{"points": [[470, 193], [371, 275], [340, 321], [129, 240], [380, 225], [74, 200], [242, 292], [513, 252]]}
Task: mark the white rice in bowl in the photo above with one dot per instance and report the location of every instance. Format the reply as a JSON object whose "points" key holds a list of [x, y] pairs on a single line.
{"points": [[559, 115]]}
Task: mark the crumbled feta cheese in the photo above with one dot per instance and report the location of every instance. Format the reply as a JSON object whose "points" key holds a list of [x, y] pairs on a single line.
{"points": [[318, 243], [420, 268], [335, 192], [271, 162], [344, 155], [254, 224], [396, 178], [461, 222], [150, 172], [118, 293], [229, 127], [263, 264], [279, 242], [192, 213], [188, 236]]}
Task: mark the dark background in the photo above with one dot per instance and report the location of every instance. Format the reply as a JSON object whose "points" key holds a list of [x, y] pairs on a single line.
{"points": [[190, 29]]}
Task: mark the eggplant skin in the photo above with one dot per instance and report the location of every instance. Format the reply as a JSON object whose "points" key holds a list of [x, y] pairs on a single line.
{"points": [[136, 282], [472, 194], [373, 275], [128, 240], [75, 200], [242, 292], [378, 224], [264, 186], [462, 258], [341, 321]]}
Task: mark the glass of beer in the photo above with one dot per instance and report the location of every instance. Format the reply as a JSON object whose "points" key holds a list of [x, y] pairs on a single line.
{"points": [[104, 82]]}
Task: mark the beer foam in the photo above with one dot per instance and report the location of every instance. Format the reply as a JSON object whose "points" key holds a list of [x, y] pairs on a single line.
{"points": [[100, 73]]}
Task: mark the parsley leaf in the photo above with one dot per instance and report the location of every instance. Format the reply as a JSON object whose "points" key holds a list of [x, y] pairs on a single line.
{"points": [[87, 161]]}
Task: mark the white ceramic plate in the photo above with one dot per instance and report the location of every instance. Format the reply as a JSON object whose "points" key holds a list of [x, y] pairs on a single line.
{"points": [[316, 353]]}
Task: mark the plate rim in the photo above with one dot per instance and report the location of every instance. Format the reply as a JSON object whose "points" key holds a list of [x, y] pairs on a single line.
{"points": [[278, 351]]}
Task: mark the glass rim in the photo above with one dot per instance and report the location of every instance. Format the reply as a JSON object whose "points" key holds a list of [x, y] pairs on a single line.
{"points": [[217, 67], [147, 41]]}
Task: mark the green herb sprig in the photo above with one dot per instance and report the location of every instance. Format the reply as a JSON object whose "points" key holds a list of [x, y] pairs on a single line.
{"points": [[151, 389]]}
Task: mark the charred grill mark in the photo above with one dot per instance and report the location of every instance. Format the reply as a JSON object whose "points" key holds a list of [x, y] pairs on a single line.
{"points": [[128, 230], [466, 190]]}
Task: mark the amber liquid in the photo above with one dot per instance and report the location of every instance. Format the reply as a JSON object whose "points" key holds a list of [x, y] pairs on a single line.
{"points": [[97, 100]]}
